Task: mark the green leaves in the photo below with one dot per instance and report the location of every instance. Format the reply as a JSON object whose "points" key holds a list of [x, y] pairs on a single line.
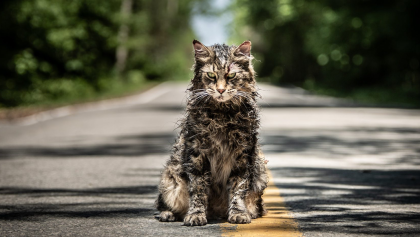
{"points": [[44, 41], [339, 45]]}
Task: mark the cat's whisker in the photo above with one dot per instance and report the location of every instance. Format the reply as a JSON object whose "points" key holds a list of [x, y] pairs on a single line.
{"points": [[207, 99], [247, 96], [204, 98], [200, 92], [243, 93], [240, 101], [197, 91], [195, 96], [211, 92], [244, 96], [191, 151], [200, 98]]}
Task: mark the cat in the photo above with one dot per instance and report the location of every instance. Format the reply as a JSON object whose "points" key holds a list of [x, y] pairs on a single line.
{"points": [[217, 169]]}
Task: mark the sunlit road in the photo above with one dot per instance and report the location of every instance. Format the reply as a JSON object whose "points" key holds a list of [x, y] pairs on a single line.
{"points": [[342, 170]]}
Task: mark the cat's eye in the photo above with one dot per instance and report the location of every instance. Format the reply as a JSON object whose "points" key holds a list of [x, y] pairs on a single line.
{"points": [[231, 75], [211, 75]]}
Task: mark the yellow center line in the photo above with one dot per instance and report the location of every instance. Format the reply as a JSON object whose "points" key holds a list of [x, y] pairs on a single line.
{"points": [[277, 222]]}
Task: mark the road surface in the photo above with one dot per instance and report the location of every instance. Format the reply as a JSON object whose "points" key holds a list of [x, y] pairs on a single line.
{"points": [[340, 170]]}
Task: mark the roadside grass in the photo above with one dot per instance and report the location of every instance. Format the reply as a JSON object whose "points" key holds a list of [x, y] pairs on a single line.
{"points": [[62, 92], [407, 97], [378, 96], [386, 97]]}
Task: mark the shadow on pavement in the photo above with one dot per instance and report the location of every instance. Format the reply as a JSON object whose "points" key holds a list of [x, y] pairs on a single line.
{"points": [[332, 144], [127, 146], [134, 190], [395, 145], [324, 200], [41, 212], [38, 204], [344, 201]]}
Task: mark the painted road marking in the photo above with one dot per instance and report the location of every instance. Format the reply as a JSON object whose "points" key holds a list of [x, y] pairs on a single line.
{"points": [[278, 221]]}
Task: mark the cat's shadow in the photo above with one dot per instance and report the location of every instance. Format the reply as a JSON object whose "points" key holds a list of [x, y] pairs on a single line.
{"points": [[209, 221]]}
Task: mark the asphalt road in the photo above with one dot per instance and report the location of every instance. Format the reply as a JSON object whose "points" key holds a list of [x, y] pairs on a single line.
{"points": [[342, 170]]}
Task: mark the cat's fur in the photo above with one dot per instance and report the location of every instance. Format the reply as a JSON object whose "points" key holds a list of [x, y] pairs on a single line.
{"points": [[217, 169]]}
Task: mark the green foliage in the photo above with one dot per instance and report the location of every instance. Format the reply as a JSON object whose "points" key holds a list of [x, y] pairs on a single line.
{"points": [[339, 46], [159, 43], [62, 91], [54, 49]]}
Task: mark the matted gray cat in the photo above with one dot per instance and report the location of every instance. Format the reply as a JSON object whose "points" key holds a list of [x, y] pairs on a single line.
{"points": [[216, 169]]}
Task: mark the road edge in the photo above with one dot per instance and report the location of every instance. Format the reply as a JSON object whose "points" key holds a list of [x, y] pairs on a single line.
{"points": [[140, 98]]}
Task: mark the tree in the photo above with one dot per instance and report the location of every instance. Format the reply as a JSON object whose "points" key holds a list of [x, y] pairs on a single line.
{"points": [[53, 48], [341, 47]]}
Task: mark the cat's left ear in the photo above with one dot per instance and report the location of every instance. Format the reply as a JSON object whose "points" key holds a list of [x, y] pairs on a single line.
{"points": [[244, 48], [199, 49]]}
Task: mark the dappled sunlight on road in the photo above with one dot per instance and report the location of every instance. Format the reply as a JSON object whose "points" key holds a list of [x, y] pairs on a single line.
{"points": [[336, 171]]}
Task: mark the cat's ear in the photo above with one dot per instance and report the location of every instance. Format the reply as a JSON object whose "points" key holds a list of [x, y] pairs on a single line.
{"points": [[199, 49], [244, 48]]}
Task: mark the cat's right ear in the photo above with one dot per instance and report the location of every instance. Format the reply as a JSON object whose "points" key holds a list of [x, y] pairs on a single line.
{"points": [[200, 50]]}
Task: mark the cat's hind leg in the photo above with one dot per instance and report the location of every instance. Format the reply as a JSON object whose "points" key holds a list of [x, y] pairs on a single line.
{"points": [[167, 216], [173, 195], [255, 205]]}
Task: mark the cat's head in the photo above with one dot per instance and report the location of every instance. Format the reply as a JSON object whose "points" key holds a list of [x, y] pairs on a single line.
{"points": [[223, 73]]}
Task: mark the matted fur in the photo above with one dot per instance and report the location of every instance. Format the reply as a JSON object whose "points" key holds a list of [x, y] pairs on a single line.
{"points": [[216, 169]]}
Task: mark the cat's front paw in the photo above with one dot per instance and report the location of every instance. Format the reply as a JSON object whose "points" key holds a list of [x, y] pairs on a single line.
{"points": [[195, 219], [239, 218], [167, 216]]}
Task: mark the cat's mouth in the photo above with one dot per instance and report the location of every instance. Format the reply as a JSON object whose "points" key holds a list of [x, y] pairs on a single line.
{"points": [[221, 98]]}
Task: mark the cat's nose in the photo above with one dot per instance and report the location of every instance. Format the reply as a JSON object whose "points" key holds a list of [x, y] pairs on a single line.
{"points": [[221, 90]]}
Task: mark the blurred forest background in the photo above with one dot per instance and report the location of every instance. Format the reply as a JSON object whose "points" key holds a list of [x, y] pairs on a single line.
{"points": [[57, 52]]}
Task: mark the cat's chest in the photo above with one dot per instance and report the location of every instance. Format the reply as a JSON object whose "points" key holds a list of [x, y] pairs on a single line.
{"points": [[223, 123], [222, 131], [228, 138]]}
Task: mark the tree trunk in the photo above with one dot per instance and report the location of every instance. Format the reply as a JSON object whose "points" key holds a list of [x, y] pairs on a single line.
{"points": [[122, 51]]}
